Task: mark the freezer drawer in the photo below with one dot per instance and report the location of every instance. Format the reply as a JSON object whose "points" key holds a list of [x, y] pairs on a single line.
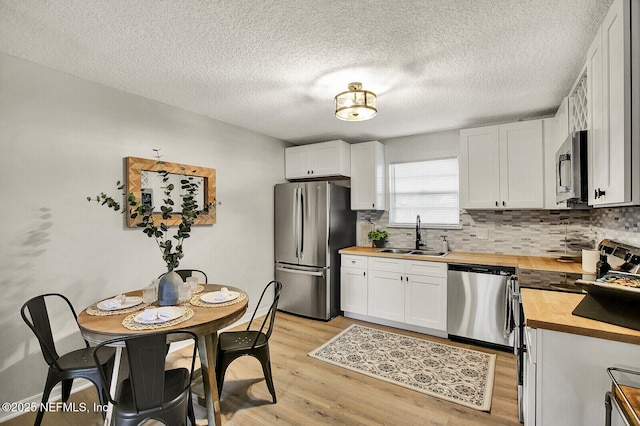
{"points": [[306, 291]]}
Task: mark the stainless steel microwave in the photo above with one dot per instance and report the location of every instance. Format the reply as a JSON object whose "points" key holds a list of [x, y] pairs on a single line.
{"points": [[571, 169]]}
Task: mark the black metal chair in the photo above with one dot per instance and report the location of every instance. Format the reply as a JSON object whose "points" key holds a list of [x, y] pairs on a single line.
{"points": [[151, 391], [186, 273], [75, 364], [234, 344]]}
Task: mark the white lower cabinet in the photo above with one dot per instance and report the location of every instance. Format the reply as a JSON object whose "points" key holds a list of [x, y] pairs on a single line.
{"points": [[386, 295], [409, 292], [353, 284], [566, 378]]}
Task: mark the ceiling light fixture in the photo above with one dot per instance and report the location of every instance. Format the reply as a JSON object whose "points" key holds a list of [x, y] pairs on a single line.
{"points": [[356, 104]]}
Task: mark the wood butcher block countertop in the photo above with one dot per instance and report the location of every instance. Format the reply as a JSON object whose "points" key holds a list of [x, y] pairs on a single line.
{"points": [[537, 263], [551, 310]]}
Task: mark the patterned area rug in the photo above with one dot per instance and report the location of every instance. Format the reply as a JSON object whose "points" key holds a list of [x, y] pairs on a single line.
{"points": [[455, 374]]}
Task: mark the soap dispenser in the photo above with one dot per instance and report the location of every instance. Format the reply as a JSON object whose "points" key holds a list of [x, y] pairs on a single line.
{"points": [[445, 244]]}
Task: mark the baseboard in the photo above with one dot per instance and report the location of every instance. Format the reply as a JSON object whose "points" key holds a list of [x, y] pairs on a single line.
{"points": [[81, 384], [395, 324]]}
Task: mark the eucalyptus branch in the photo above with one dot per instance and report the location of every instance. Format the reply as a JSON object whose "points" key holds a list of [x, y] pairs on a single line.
{"points": [[171, 253]]}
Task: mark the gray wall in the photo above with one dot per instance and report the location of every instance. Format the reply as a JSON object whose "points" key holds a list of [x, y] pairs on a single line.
{"points": [[64, 138]]}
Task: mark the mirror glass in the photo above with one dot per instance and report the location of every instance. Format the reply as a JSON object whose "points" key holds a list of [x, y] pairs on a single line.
{"points": [[145, 183]]}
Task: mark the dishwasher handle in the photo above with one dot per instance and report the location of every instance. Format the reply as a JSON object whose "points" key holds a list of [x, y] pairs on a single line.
{"points": [[483, 269]]}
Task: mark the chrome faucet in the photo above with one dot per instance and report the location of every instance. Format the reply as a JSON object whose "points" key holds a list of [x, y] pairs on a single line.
{"points": [[419, 243]]}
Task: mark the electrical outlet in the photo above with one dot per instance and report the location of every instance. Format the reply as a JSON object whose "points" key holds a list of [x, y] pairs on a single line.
{"points": [[482, 234]]}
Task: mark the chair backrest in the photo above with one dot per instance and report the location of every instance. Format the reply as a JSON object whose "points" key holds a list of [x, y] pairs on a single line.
{"points": [[271, 314], [146, 354], [186, 273], [35, 314]]}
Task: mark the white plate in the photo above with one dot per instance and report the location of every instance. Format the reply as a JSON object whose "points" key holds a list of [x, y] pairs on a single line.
{"points": [[212, 297], [128, 303], [173, 312]]}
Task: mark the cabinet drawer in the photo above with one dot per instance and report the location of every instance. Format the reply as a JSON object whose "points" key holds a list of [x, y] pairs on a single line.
{"points": [[433, 269], [386, 264], [350, 261]]}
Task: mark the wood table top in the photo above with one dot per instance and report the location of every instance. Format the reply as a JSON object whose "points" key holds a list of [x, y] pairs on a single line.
{"points": [[205, 320], [552, 310], [539, 263]]}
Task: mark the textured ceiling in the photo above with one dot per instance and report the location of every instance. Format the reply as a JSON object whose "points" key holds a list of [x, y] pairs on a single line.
{"points": [[275, 66]]}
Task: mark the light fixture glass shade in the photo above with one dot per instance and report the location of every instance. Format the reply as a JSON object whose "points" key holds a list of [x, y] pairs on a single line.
{"points": [[356, 104]]}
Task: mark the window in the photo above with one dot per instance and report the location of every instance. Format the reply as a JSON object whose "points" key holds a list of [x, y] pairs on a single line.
{"points": [[426, 188]]}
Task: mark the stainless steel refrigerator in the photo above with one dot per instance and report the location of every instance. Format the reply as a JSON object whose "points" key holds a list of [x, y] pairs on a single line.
{"points": [[313, 220]]}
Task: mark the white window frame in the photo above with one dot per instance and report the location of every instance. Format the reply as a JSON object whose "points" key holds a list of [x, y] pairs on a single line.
{"points": [[424, 223]]}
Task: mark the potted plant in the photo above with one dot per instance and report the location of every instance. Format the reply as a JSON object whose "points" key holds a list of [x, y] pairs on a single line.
{"points": [[155, 226], [379, 237]]}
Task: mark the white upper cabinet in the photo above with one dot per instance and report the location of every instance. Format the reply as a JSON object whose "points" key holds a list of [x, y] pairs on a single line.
{"points": [[325, 159], [367, 176], [501, 167], [613, 142]]}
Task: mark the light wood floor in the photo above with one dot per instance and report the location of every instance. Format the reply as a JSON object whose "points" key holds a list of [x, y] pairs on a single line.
{"points": [[311, 392]]}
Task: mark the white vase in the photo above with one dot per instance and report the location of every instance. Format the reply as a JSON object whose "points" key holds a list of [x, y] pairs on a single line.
{"points": [[169, 289]]}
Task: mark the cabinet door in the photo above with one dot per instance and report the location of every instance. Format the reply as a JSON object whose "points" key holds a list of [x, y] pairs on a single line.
{"points": [[323, 157], [426, 301], [615, 175], [521, 167], [479, 168], [598, 155], [353, 290], [297, 163], [386, 295], [367, 176]]}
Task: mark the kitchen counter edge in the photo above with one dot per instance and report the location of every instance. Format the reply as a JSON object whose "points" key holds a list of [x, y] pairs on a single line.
{"points": [[538, 263], [552, 310]]}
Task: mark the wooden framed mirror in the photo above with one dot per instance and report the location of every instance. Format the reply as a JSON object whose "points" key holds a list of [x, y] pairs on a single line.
{"points": [[137, 167]]}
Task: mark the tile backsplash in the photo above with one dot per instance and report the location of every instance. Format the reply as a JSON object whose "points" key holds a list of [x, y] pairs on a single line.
{"points": [[526, 232]]}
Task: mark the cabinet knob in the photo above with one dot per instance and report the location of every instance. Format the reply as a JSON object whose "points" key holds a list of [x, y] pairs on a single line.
{"points": [[599, 193], [373, 205], [504, 204], [496, 204]]}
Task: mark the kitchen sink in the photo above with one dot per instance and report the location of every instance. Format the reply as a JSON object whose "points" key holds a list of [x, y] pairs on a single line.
{"points": [[412, 252], [394, 251], [428, 252]]}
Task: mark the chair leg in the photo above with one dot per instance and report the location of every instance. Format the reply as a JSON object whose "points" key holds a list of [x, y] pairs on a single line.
{"points": [[66, 389], [266, 369], [49, 384], [221, 369], [192, 415], [607, 409]]}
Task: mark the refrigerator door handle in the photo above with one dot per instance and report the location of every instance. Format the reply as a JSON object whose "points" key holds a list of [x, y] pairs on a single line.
{"points": [[296, 227], [301, 224], [299, 271]]}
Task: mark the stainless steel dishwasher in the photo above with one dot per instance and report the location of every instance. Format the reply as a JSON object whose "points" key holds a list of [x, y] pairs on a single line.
{"points": [[479, 304]]}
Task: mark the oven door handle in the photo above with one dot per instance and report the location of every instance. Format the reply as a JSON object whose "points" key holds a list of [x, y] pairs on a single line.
{"points": [[508, 307]]}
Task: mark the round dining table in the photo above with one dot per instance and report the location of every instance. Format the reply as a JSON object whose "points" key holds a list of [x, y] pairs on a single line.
{"points": [[205, 322]]}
